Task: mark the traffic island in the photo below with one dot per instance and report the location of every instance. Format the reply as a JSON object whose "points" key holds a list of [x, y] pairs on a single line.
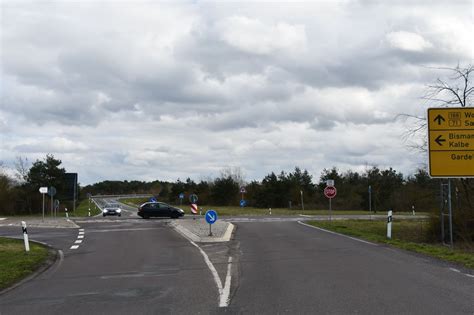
{"points": [[198, 230], [18, 266]]}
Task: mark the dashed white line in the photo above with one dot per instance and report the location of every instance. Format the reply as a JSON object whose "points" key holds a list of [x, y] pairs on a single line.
{"points": [[81, 233], [78, 242], [470, 276], [455, 270], [74, 246], [80, 236]]}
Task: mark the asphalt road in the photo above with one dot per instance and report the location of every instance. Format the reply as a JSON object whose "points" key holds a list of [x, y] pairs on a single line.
{"points": [[128, 266]]}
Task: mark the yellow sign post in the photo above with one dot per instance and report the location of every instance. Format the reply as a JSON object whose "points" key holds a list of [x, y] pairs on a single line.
{"points": [[451, 141]]}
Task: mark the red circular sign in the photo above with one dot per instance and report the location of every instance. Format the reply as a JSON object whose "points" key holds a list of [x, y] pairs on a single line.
{"points": [[330, 192]]}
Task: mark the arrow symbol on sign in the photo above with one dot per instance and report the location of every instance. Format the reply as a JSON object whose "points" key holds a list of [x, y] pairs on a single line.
{"points": [[439, 141], [213, 218], [439, 118]]}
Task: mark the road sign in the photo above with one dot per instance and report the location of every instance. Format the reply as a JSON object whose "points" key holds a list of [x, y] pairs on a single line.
{"points": [[243, 203], [181, 196], [211, 216], [43, 190], [51, 191], [330, 192], [194, 208], [451, 141], [330, 182], [153, 199], [243, 190], [193, 198]]}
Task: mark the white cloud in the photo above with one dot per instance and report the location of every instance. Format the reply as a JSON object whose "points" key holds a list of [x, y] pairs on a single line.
{"points": [[408, 41]]}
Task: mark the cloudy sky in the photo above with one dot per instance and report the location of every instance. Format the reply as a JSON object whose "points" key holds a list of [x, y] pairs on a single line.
{"points": [[166, 90]]}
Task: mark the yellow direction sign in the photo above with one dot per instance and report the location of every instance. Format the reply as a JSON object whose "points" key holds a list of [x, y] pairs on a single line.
{"points": [[451, 141]]}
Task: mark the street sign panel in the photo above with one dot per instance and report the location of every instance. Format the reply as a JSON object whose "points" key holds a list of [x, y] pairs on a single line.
{"points": [[330, 182], [211, 216], [243, 190], [43, 190], [243, 203], [153, 199], [193, 198], [451, 141], [51, 191], [330, 192]]}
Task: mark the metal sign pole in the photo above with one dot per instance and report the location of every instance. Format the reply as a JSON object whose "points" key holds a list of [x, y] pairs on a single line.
{"points": [[370, 198], [330, 210], [43, 207], [450, 214], [52, 205], [442, 210]]}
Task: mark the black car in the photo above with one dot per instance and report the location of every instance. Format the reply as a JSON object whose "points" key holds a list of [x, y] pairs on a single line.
{"points": [[159, 209]]}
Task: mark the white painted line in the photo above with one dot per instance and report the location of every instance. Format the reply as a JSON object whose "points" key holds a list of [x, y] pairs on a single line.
{"points": [[80, 236], [455, 270], [213, 270], [224, 298], [470, 276], [305, 215], [81, 230], [78, 242], [81, 233], [1, 219], [331, 232], [74, 246]]}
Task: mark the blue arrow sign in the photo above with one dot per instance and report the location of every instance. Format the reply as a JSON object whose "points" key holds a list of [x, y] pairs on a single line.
{"points": [[153, 199], [211, 216], [243, 203]]}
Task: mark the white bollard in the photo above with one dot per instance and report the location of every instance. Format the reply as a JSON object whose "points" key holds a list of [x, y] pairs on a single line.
{"points": [[67, 215], [389, 224], [413, 209], [89, 211], [270, 211], [25, 236]]}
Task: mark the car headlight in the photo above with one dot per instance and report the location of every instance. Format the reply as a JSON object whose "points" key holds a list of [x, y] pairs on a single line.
{"points": [[105, 210], [119, 210], [181, 210]]}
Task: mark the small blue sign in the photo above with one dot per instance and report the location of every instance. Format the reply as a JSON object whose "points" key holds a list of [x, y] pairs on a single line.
{"points": [[181, 196], [211, 216], [153, 199], [243, 203], [193, 198]]}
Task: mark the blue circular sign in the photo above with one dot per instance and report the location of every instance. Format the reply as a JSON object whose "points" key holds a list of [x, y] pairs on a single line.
{"points": [[153, 199], [211, 216], [193, 198], [181, 196], [243, 203]]}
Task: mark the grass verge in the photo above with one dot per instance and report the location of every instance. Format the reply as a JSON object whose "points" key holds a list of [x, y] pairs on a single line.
{"points": [[82, 210], [15, 263], [235, 210], [409, 235]]}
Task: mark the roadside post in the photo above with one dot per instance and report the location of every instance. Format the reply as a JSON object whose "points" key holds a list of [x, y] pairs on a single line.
{"points": [[211, 218], [193, 199], [389, 224], [25, 236], [89, 196], [67, 215], [370, 198], [51, 193], [330, 192], [56, 207], [243, 191], [43, 191], [181, 197], [302, 202]]}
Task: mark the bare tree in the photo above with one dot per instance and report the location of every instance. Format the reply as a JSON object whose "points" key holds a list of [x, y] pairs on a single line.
{"points": [[455, 90], [21, 165]]}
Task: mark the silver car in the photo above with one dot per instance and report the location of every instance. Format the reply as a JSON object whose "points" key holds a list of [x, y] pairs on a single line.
{"points": [[112, 209]]}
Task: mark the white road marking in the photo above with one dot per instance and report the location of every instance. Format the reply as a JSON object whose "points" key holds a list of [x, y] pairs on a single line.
{"points": [[224, 298], [74, 246], [223, 292], [81, 233], [81, 230], [120, 230], [1, 219], [78, 242], [331, 232], [80, 236], [455, 270], [470, 276]]}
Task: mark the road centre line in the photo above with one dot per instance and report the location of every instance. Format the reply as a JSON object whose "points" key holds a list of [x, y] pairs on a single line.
{"points": [[223, 291], [335, 233]]}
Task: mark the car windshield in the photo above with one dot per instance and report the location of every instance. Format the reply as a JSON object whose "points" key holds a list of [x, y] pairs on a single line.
{"points": [[113, 205]]}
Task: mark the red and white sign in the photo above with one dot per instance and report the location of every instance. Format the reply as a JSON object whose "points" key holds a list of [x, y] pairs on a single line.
{"points": [[194, 208], [330, 192]]}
